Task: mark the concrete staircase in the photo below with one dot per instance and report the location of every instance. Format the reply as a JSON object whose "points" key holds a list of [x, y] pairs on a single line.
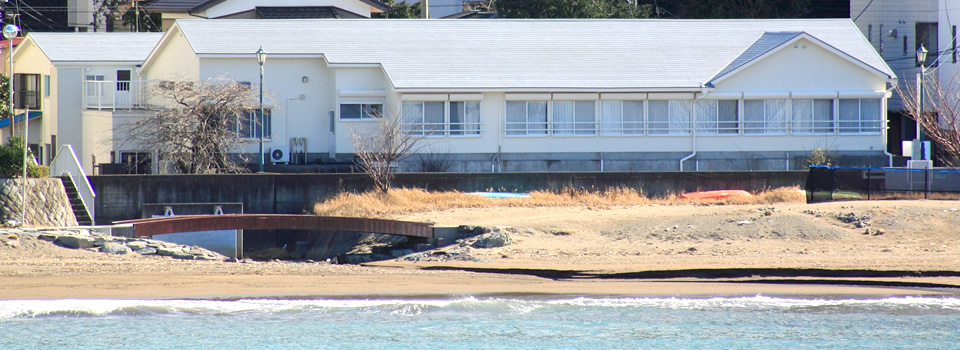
{"points": [[79, 209]]}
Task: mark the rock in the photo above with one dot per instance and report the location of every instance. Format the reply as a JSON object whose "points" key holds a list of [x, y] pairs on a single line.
{"points": [[12, 236], [101, 241], [147, 251], [12, 243], [183, 256], [114, 248], [233, 260], [163, 251], [46, 236], [75, 242], [493, 240], [137, 245], [206, 257], [422, 247]]}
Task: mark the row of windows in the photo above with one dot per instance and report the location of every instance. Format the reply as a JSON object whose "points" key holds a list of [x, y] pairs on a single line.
{"points": [[452, 118], [710, 117], [639, 117]]}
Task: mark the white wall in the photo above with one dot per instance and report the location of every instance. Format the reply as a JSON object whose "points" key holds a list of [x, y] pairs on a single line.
{"points": [[901, 16], [440, 8], [299, 109]]}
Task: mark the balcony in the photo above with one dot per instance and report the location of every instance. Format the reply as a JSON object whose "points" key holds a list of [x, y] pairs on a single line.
{"points": [[114, 95]]}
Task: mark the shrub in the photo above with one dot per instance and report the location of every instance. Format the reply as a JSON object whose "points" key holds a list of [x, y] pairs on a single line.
{"points": [[11, 161]]}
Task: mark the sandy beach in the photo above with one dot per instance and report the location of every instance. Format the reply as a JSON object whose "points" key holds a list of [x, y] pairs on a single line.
{"points": [[902, 248]]}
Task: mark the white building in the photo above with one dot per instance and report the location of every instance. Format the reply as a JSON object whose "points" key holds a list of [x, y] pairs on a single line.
{"points": [[76, 84], [896, 29], [560, 94]]}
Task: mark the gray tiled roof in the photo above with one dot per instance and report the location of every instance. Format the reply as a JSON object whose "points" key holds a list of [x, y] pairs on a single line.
{"points": [[182, 5], [527, 54], [111, 47], [267, 12]]}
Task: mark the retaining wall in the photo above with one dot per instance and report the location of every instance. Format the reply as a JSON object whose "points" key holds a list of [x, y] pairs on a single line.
{"points": [[121, 197], [47, 202]]}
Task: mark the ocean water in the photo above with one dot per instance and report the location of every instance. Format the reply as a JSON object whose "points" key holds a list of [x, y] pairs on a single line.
{"points": [[504, 322]]}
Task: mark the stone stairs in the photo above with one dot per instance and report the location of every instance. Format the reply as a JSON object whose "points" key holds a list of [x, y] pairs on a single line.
{"points": [[79, 210]]}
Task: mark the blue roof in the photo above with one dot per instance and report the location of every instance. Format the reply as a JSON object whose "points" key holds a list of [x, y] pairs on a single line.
{"points": [[5, 122]]}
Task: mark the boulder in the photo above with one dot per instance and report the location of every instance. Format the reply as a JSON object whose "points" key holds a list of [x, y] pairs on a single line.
{"points": [[46, 236], [147, 251], [75, 241], [168, 251], [184, 256], [137, 245], [114, 248], [493, 240]]}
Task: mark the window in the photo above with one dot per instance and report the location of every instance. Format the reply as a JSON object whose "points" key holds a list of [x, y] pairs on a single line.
{"points": [[423, 118], [717, 117], [574, 117], [248, 124], [859, 116], [27, 93], [621, 118], [526, 118], [764, 117], [361, 111], [813, 116], [905, 45], [927, 36], [94, 88], [669, 117], [46, 86], [464, 118]]}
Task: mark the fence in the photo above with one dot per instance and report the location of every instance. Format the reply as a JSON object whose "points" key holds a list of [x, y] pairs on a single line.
{"points": [[828, 183]]}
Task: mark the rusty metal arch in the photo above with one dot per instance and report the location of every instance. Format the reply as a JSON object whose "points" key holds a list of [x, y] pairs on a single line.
{"points": [[195, 223]]}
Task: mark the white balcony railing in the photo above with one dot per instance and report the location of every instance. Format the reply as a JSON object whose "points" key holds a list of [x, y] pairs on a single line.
{"points": [[100, 94]]}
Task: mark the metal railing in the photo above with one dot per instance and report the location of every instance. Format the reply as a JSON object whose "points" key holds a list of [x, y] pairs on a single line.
{"points": [[100, 94], [65, 163]]}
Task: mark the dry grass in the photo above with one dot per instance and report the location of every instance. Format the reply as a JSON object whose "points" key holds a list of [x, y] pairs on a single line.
{"points": [[405, 201]]}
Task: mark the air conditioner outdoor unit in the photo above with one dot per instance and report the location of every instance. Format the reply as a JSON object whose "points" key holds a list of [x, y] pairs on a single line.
{"points": [[280, 154]]}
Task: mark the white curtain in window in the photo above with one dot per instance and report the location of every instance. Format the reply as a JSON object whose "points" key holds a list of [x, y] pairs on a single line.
{"points": [[753, 119], [412, 114], [849, 116], [870, 115], [465, 118], [659, 117], [823, 116], [586, 117], [611, 113], [706, 113], [516, 118], [632, 117], [563, 117], [680, 117], [775, 116], [537, 118], [802, 116], [433, 123], [727, 116]]}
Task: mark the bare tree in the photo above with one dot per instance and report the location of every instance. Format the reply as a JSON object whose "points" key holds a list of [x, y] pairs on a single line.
{"points": [[381, 149], [202, 123], [940, 120]]}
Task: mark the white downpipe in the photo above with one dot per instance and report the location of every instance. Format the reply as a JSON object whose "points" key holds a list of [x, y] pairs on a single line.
{"points": [[693, 131], [787, 154], [887, 95]]}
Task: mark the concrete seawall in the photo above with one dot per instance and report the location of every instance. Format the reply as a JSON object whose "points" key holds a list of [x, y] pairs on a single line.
{"points": [[121, 197]]}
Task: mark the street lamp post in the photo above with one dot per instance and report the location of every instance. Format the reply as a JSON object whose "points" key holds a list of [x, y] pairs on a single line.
{"points": [[10, 32], [922, 58], [261, 58]]}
